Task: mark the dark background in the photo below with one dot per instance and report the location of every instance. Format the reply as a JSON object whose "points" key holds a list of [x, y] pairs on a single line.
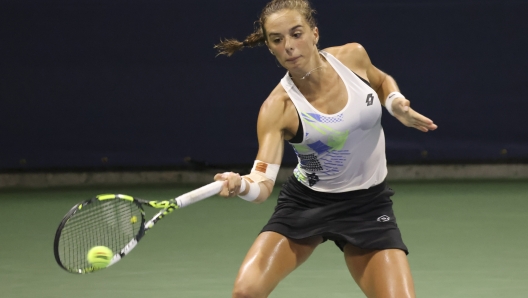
{"points": [[136, 84]]}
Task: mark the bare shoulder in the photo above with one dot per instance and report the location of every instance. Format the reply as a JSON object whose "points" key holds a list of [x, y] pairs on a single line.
{"points": [[353, 55], [275, 104], [277, 96], [276, 110]]}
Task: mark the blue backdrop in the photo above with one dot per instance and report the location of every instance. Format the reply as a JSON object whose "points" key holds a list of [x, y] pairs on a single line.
{"points": [[86, 84]]}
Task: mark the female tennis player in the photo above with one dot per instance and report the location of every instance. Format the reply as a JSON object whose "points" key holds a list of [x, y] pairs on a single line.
{"points": [[328, 106]]}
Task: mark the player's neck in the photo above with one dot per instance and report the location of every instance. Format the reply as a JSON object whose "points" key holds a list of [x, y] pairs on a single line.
{"points": [[311, 75]]}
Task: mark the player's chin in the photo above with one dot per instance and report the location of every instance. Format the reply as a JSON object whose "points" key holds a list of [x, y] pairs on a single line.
{"points": [[294, 64]]}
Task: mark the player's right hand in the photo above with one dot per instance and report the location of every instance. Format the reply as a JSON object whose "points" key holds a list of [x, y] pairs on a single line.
{"points": [[232, 183]]}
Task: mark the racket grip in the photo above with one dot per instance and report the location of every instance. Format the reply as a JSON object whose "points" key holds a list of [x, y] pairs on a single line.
{"points": [[199, 194]]}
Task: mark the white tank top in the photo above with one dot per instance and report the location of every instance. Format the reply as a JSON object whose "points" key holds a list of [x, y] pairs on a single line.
{"points": [[344, 151]]}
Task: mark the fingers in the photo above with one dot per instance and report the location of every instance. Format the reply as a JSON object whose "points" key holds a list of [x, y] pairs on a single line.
{"points": [[411, 118], [219, 177], [423, 123], [232, 183], [422, 128]]}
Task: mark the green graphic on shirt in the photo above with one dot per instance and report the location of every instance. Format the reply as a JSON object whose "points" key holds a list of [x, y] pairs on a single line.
{"points": [[299, 174], [313, 122], [336, 139], [301, 148]]}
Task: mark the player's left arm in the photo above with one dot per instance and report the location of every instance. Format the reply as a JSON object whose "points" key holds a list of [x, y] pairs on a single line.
{"points": [[386, 86]]}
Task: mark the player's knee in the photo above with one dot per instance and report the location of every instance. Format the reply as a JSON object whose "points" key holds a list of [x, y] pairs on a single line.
{"points": [[241, 294], [244, 291]]}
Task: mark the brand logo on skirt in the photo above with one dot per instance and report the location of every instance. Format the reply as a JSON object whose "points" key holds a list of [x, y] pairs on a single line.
{"points": [[383, 218]]}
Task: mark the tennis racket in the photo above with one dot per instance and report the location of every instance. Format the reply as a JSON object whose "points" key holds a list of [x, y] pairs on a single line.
{"points": [[116, 221]]}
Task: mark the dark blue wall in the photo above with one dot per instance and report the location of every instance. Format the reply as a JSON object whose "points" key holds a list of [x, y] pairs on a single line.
{"points": [[137, 82]]}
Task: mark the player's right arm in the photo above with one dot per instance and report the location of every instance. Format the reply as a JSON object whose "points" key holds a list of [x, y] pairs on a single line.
{"points": [[274, 121]]}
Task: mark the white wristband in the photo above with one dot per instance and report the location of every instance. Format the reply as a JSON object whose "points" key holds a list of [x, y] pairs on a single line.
{"points": [[269, 170], [390, 99], [261, 171], [254, 190]]}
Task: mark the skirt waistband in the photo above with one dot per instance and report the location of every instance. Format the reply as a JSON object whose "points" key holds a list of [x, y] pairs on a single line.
{"points": [[354, 194]]}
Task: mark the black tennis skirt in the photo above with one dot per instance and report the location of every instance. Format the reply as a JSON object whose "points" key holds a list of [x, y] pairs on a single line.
{"points": [[363, 218]]}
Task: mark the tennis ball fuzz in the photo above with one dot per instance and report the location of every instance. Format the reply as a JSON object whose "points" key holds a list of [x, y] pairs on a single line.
{"points": [[99, 256]]}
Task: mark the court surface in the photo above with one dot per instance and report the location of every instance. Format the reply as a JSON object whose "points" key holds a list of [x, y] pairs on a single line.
{"points": [[466, 239]]}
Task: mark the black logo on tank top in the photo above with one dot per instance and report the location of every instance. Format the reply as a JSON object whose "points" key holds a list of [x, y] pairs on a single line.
{"points": [[309, 162], [370, 99], [312, 179]]}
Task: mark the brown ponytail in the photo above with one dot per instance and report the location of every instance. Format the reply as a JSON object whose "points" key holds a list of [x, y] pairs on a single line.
{"points": [[229, 46]]}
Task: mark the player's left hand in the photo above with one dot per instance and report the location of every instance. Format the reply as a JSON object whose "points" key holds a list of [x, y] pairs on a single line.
{"points": [[401, 107]]}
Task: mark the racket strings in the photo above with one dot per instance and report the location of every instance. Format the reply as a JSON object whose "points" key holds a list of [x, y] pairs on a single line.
{"points": [[111, 223]]}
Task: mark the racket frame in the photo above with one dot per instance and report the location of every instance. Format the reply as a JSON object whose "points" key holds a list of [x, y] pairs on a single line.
{"points": [[167, 207]]}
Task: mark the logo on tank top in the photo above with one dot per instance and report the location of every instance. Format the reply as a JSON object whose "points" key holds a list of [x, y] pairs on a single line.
{"points": [[383, 218], [370, 99], [312, 179]]}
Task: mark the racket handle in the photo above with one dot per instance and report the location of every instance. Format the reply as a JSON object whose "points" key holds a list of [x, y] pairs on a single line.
{"points": [[199, 194]]}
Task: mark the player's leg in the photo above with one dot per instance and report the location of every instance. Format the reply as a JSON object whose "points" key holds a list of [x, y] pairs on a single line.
{"points": [[271, 258], [380, 273]]}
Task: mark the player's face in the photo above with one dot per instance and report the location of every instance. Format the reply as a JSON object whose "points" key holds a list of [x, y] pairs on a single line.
{"points": [[291, 40]]}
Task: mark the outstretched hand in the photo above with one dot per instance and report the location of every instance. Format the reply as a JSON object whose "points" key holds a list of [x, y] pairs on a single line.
{"points": [[402, 110]]}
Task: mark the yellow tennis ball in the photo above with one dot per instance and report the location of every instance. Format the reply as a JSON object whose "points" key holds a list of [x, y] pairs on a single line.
{"points": [[100, 256], [133, 219]]}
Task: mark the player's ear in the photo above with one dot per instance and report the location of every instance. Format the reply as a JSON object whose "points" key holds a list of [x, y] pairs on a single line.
{"points": [[316, 35]]}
